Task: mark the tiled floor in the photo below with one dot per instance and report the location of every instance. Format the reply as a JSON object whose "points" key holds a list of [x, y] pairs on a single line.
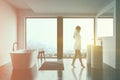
{"points": [[69, 73]]}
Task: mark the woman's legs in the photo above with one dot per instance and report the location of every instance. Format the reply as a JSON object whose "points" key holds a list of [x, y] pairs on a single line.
{"points": [[74, 58], [77, 52], [80, 59]]}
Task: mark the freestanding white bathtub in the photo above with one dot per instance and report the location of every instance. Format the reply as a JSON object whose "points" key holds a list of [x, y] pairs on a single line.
{"points": [[22, 59]]}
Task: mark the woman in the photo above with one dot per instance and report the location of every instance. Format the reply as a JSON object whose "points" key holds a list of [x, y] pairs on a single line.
{"points": [[77, 46]]}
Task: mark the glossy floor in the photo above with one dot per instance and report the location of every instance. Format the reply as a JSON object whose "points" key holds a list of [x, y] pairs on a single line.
{"points": [[69, 73]]}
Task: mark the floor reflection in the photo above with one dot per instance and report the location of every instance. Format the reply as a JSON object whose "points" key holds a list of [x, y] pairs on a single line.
{"points": [[60, 74], [74, 74], [79, 77], [24, 74], [88, 72], [96, 74], [69, 73], [81, 73]]}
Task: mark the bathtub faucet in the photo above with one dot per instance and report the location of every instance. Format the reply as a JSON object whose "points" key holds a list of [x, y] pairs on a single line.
{"points": [[15, 43]]}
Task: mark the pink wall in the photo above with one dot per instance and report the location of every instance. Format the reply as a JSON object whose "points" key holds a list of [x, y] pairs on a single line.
{"points": [[8, 23]]}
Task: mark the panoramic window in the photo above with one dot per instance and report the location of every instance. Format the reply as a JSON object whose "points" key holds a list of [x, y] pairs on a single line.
{"points": [[41, 33]]}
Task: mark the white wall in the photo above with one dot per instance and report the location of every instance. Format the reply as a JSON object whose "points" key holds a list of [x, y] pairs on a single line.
{"points": [[8, 23], [109, 51]]}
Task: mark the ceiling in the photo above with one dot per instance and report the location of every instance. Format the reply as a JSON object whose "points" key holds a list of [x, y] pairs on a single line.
{"points": [[86, 7]]}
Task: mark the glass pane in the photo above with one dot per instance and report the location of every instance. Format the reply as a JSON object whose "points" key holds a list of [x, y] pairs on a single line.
{"points": [[69, 24], [104, 27], [42, 34]]}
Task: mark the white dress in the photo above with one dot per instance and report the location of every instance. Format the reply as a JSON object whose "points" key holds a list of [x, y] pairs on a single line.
{"points": [[77, 37]]}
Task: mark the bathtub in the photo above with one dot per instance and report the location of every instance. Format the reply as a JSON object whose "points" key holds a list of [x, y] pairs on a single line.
{"points": [[22, 59]]}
